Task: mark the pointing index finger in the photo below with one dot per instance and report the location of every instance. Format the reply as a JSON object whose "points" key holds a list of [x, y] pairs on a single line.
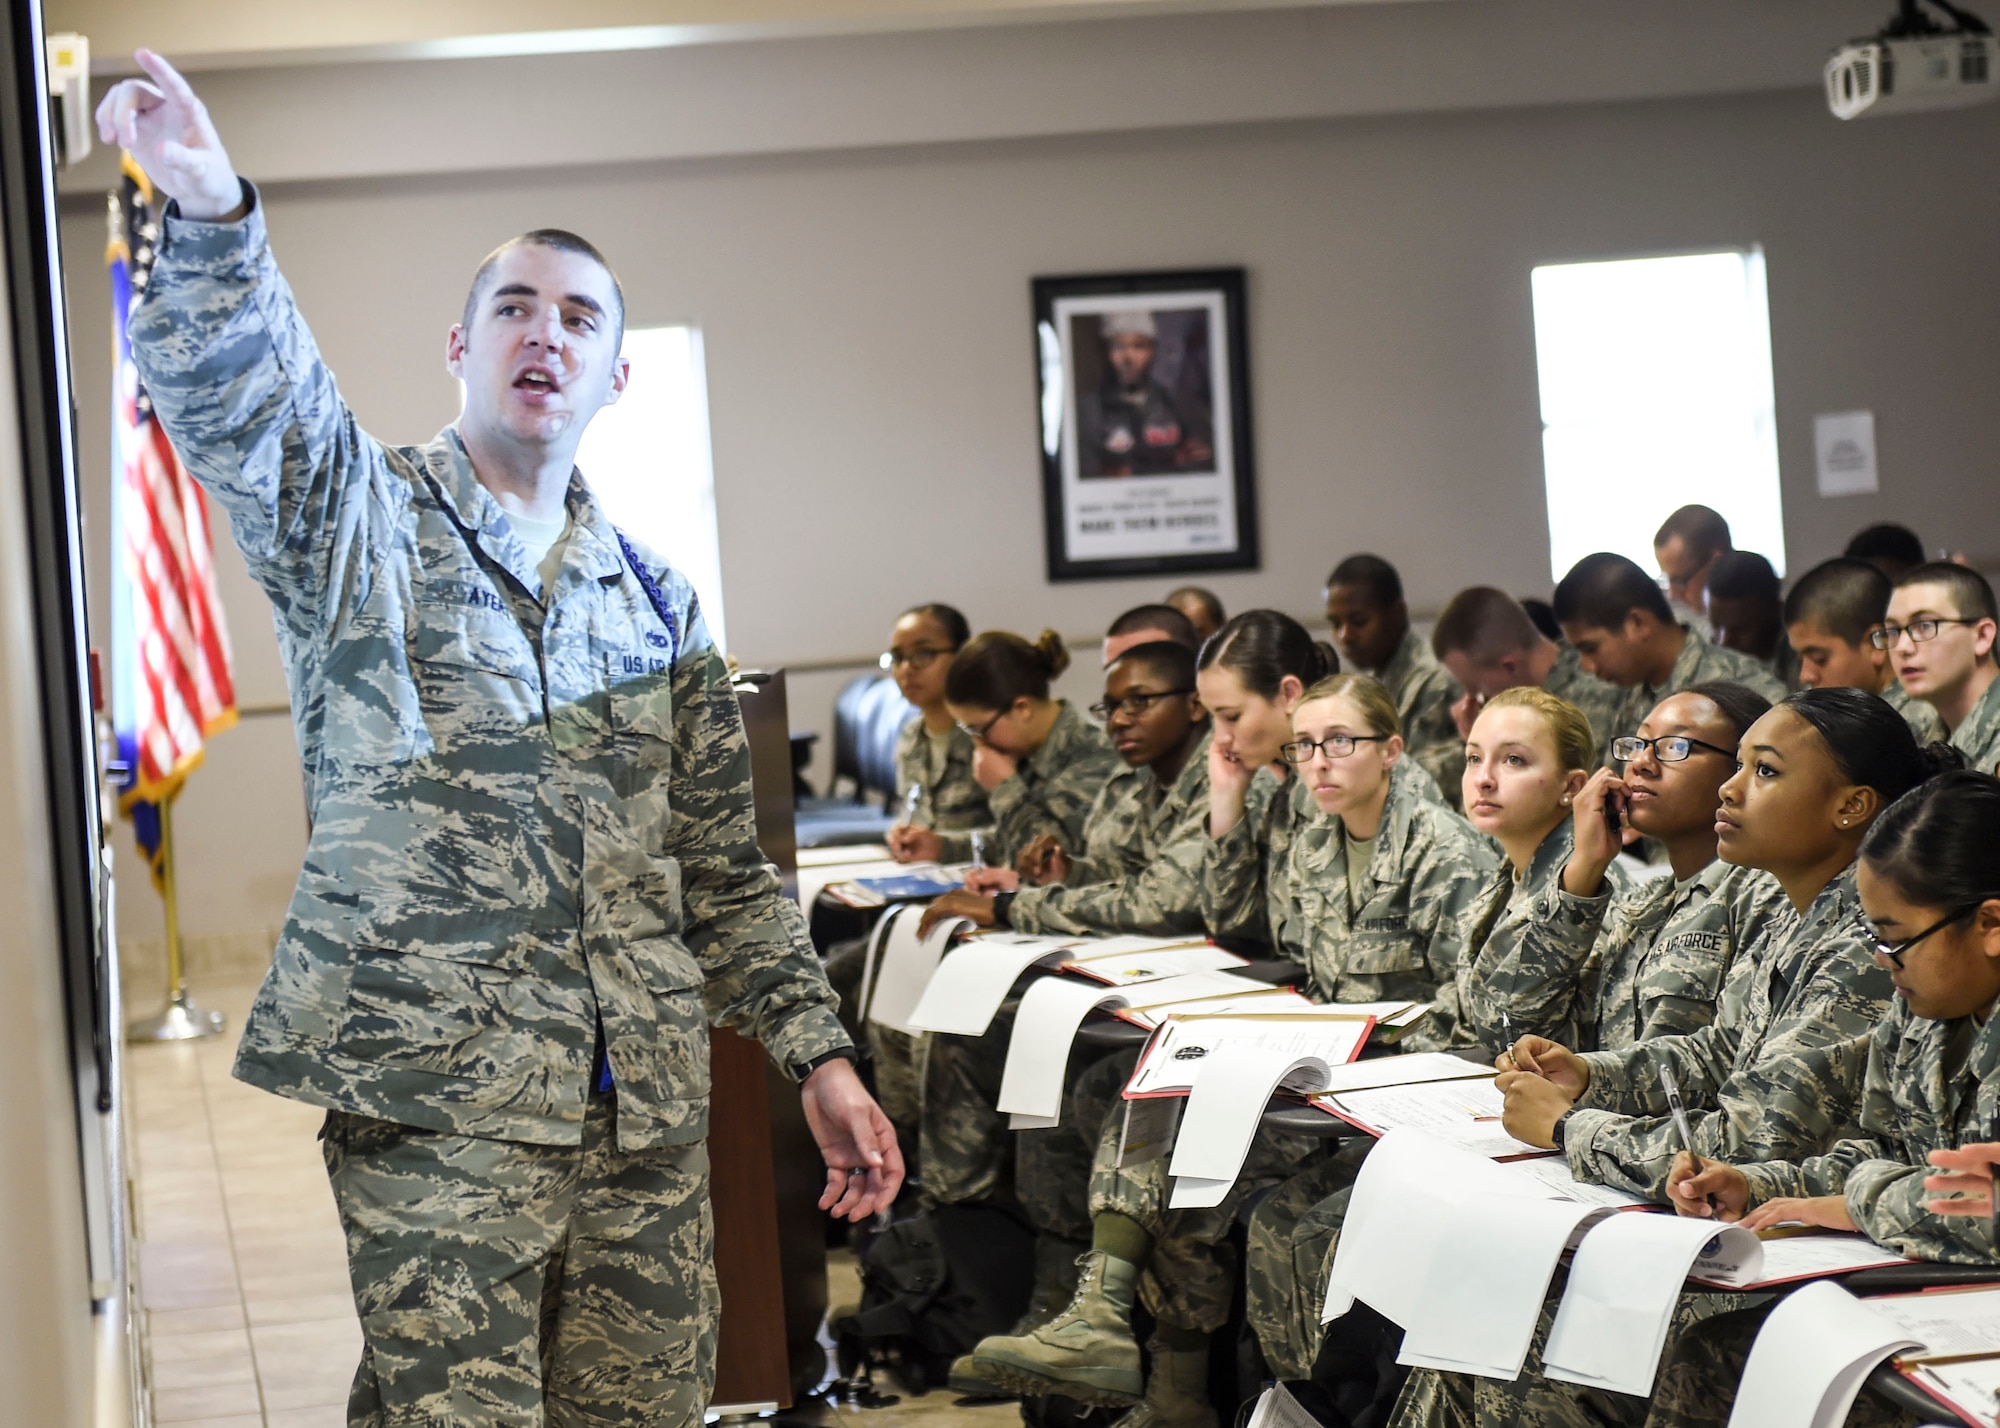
{"points": [[167, 77]]}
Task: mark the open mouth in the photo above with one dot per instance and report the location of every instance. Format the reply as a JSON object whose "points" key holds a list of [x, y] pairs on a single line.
{"points": [[537, 381]]}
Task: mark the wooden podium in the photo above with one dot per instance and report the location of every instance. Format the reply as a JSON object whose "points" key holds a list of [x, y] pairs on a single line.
{"points": [[766, 1174]]}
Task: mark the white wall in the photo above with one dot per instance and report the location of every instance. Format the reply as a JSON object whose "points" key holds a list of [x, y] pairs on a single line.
{"points": [[866, 322]]}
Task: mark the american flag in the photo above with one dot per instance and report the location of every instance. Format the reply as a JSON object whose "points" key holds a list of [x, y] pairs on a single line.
{"points": [[171, 685]]}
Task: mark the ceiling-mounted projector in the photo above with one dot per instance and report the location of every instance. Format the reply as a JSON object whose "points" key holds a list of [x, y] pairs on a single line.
{"points": [[1915, 63]]}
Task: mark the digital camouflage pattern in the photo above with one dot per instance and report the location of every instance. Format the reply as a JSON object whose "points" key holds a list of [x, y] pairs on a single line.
{"points": [[1700, 661], [1777, 1074], [1930, 1085], [1978, 734], [1922, 719], [1507, 985], [950, 801], [525, 822], [1600, 702], [1424, 691], [1427, 873], [574, 1285], [1139, 867], [1655, 958], [1288, 1254], [1052, 790]]}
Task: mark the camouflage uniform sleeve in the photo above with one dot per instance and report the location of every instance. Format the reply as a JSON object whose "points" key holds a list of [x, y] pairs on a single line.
{"points": [[1159, 900], [1232, 871], [1056, 805], [761, 974], [1827, 1173], [1538, 976], [1445, 899], [1432, 737], [1799, 1095], [253, 411], [1097, 860]]}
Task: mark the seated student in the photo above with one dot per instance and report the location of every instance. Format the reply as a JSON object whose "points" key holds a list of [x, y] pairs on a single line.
{"points": [[1202, 607], [1778, 1073], [1686, 547], [1488, 641], [1618, 620], [1145, 624], [1929, 881], [1890, 548], [1382, 875], [1371, 629], [934, 756], [1140, 859], [1647, 962], [1747, 613], [1940, 640], [1040, 762], [1830, 614]]}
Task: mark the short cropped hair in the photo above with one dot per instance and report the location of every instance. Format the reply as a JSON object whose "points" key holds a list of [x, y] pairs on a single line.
{"points": [[1969, 591], [1164, 618], [1602, 589], [1569, 729], [1210, 602], [1373, 574], [1171, 660], [1743, 575], [1700, 528], [1888, 541], [1483, 624], [1845, 597], [562, 241]]}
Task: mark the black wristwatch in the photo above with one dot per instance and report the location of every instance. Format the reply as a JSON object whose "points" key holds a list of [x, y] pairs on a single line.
{"points": [[1560, 1128], [1003, 905], [845, 1053]]}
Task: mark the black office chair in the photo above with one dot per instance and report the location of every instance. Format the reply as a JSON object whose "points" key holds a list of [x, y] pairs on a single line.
{"points": [[862, 801]]}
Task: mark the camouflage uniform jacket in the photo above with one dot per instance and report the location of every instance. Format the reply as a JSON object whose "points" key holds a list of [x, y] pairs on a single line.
{"points": [[1426, 875], [1700, 660], [1930, 1085], [1599, 701], [1922, 719], [1509, 985], [1424, 693], [1052, 790], [1776, 1074], [1656, 959], [1141, 863], [1978, 734], [1246, 882], [526, 824], [950, 801]]}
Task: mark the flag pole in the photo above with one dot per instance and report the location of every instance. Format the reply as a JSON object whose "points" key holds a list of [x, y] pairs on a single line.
{"points": [[184, 1019]]}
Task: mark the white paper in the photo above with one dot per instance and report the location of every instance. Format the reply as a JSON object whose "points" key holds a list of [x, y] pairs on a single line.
{"points": [[1123, 971], [1390, 1238], [1463, 1113], [1403, 1071], [1972, 1386], [1552, 1172], [1486, 1281], [1268, 1001], [1179, 1053], [1844, 443], [1781, 1257], [1611, 1327], [1811, 1358], [967, 989], [907, 965], [1090, 948], [1223, 1112], [1949, 1322], [1277, 1408]]}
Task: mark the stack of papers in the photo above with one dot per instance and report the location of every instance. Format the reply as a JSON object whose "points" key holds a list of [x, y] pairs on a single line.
{"points": [[1462, 1112], [971, 983], [1121, 961], [900, 965], [1179, 1053], [1785, 1256]]}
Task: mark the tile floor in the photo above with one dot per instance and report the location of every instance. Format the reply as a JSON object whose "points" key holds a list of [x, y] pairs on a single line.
{"points": [[247, 1319]]}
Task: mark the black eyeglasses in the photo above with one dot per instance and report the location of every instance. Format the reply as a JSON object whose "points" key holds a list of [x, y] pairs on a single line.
{"points": [[1335, 746], [919, 658], [1669, 749], [1894, 950], [979, 735], [1884, 637], [1134, 705]]}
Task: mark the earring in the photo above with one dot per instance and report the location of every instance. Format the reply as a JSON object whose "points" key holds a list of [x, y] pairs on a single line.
{"points": [[1565, 800]]}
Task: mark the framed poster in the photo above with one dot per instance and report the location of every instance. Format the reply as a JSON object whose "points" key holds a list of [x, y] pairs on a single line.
{"points": [[1145, 424]]}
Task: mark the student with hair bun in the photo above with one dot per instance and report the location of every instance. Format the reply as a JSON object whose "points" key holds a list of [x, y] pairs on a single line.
{"points": [[1039, 760], [1778, 1074]]}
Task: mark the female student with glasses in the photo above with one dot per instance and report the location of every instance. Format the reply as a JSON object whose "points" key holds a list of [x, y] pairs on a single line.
{"points": [[943, 803]]}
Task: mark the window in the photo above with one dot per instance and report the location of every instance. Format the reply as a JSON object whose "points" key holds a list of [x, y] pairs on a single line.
{"points": [[1656, 393], [647, 460]]}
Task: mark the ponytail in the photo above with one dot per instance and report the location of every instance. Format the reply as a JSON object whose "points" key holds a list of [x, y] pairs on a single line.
{"points": [[1262, 647], [997, 668], [1869, 742]]}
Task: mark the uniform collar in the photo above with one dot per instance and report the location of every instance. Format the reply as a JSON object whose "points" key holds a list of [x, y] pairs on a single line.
{"points": [[592, 549]]}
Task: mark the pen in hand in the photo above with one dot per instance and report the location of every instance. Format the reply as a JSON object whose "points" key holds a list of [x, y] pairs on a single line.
{"points": [[1678, 1110]]}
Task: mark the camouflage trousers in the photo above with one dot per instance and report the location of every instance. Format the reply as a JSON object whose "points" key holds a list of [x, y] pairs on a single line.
{"points": [[1190, 1280], [1289, 1252], [896, 1057], [501, 1283]]}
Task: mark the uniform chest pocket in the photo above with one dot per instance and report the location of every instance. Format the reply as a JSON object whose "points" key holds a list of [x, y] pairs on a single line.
{"points": [[479, 690], [1689, 964]]}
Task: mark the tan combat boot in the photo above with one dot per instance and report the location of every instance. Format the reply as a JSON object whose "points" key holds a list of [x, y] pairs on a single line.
{"points": [[1086, 1351], [1176, 1392], [1055, 1283]]}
